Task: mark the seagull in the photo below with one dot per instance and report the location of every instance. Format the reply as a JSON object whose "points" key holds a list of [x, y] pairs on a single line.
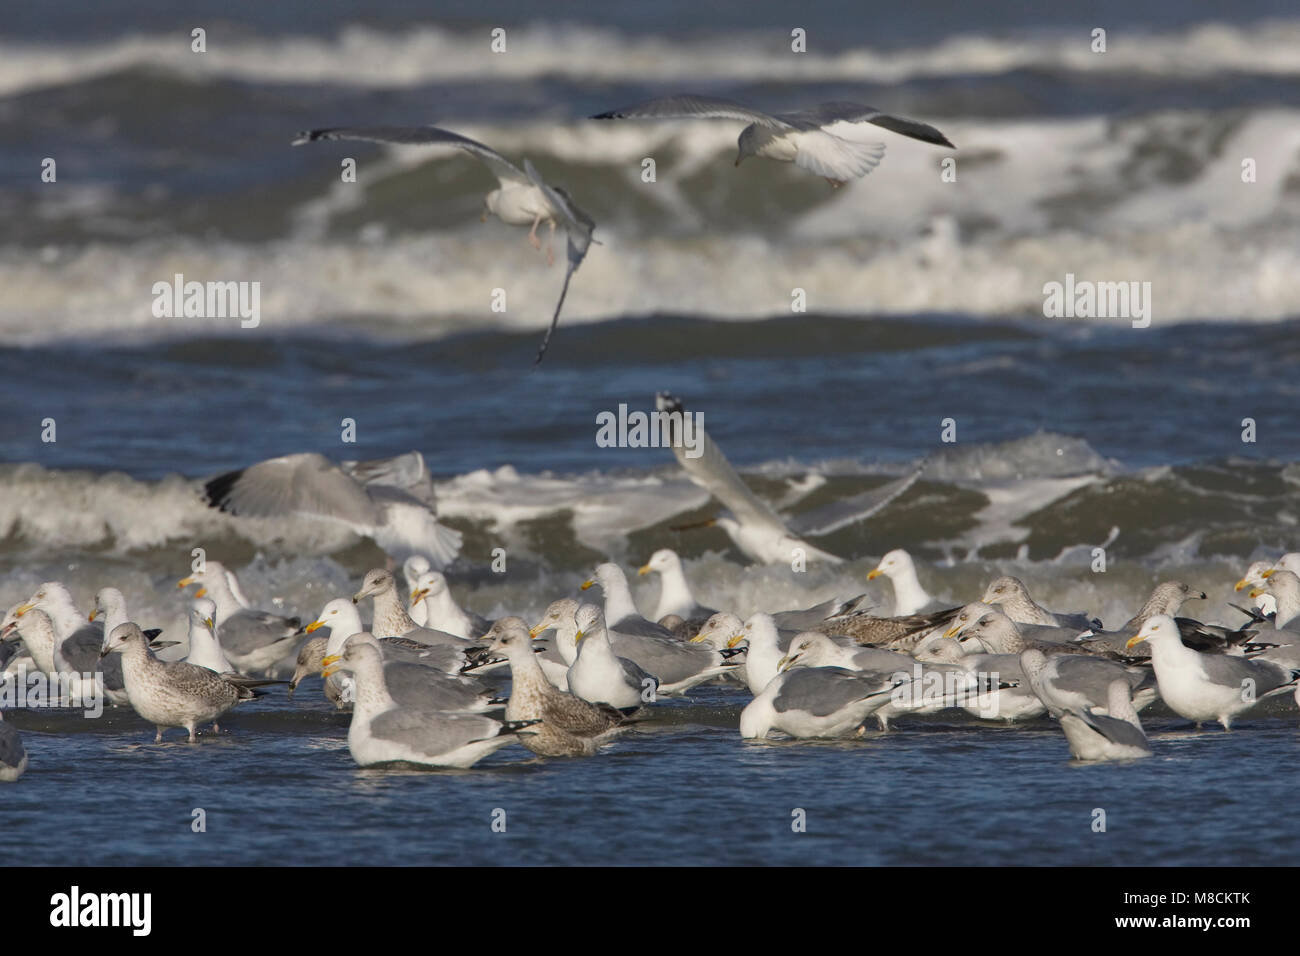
{"points": [[675, 595], [1116, 734], [909, 596], [205, 648], [1013, 597], [522, 198], [754, 526], [1205, 687], [174, 693], [825, 139], [620, 610], [391, 618], [76, 645], [253, 640], [414, 684], [817, 702], [389, 500], [570, 726], [384, 732], [599, 675], [440, 610]]}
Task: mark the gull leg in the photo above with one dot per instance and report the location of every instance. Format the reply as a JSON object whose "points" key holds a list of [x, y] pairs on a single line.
{"points": [[533, 239], [550, 252], [157, 738], [835, 183], [215, 728], [193, 736]]}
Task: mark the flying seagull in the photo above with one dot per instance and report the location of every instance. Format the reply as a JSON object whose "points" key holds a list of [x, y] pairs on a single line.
{"points": [[390, 500], [521, 199], [826, 139], [756, 529]]}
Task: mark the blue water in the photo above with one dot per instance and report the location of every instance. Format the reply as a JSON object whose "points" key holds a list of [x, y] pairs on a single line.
{"points": [[280, 790]]}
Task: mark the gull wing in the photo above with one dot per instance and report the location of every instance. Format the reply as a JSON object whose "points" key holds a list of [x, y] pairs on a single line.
{"points": [[712, 472], [838, 514], [578, 227], [504, 170], [407, 472], [691, 106], [834, 157], [828, 116], [305, 483]]}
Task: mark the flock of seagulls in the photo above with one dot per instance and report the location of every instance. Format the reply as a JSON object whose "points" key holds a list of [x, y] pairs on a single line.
{"points": [[827, 140], [450, 688]]}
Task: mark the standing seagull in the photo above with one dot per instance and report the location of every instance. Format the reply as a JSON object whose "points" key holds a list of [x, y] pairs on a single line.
{"points": [[172, 694], [521, 199], [1205, 687], [824, 139]]}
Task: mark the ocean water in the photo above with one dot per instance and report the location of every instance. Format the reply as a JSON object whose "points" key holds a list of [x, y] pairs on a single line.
{"points": [[924, 303]]}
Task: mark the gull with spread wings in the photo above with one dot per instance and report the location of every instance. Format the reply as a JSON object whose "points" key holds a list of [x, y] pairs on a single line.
{"points": [[826, 139], [753, 525], [521, 198]]}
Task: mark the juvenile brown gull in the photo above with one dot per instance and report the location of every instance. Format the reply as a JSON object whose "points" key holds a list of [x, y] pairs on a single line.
{"points": [[172, 693], [569, 726]]}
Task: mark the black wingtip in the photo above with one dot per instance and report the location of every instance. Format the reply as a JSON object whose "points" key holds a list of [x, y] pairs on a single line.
{"points": [[612, 114], [216, 491], [307, 136]]}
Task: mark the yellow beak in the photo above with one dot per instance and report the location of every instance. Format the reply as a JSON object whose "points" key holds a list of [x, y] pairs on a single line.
{"points": [[332, 659], [1134, 640], [698, 638], [419, 595], [23, 609], [211, 624], [952, 631], [314, 626], [585, 585], [735, 640], [1243, 583], [1256, 592], [200, 592], [644, 569], [185, 582], [92, 614], [781, 664], [1268, 573], [329, 671], [533, 632], [577, 637], [874, 573]]}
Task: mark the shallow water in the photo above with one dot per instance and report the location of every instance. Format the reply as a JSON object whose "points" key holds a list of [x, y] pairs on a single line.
{"points": [[280, 789]]}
